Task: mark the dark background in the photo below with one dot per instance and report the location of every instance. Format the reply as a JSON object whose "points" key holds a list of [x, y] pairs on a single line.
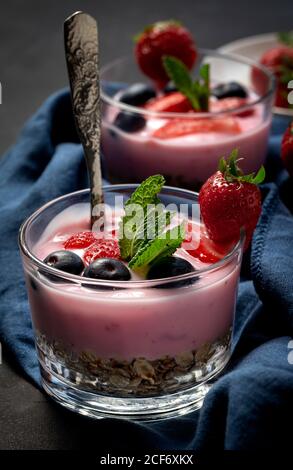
{"points": [[31, 67]]}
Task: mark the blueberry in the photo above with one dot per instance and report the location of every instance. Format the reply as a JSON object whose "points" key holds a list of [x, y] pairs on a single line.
{"points": [[137, 94], [108, 269], [170, 88], [66, 261], [170, 267], [129, 122], [229, 90]]}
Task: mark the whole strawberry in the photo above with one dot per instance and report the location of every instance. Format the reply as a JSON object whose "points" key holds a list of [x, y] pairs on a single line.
{"points": [[160, 39], [279, 60], [287, 149], [230, 201]]}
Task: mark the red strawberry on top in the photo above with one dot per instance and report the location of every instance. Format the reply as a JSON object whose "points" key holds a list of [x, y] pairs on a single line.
{"points": [[287, 149], [159, 39], [230, 201], [102, 248], [173, 103]]}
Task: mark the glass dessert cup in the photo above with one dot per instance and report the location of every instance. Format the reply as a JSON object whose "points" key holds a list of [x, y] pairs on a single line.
{"points": [[185, 161], [142, 349]]}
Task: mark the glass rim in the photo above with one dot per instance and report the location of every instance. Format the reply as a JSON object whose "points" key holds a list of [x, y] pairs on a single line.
{"points": [[172, 115], [117, 284]]}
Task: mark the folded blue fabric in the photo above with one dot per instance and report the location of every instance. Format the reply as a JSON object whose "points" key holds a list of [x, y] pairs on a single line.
{"points": [[248, 406]]}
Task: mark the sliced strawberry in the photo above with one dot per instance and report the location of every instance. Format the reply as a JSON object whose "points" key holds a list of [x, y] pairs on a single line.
{"points": [[180, 127], [200, 246], [227, 104], [80, 240], [102, 248], [173, 103]]}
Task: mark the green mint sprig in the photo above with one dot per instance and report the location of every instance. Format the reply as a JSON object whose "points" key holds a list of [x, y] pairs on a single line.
{"points": [[231, 171], [144, 195], [197, 91], [286, 37], [161, 247], [143, 234]]}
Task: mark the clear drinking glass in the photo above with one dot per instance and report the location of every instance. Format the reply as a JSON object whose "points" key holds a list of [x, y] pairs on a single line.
{"points": [[137, 349], [185, 161]]}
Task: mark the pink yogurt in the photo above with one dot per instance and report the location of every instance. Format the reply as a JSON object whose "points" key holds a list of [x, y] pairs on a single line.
{"points": [[186, 161], [138, 321]]}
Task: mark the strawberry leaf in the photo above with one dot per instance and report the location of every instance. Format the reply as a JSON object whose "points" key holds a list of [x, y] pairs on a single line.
{"points": [[286, 37], [232, 163], [259, 177], [222, 165], [232, 172], [158, 25]]}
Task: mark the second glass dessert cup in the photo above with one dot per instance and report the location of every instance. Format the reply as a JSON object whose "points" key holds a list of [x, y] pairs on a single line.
{"points": [[134, 150], [139, 349]]}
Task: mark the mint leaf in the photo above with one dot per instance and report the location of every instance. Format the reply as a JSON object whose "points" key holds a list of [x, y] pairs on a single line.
{"points": [[177, 72], [180, 76], [147, 191], [204, 87], [143, 237], [205, 73], [145, 218], [152, 225], [131, 224], [164, 245], [198, 91], [156, 221]]}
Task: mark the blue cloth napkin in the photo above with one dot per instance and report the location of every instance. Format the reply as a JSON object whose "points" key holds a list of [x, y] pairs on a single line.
{"points": [[248, 406]]}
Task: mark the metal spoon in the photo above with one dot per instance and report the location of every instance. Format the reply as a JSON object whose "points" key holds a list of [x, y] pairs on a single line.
{"points": [[82, 57]]}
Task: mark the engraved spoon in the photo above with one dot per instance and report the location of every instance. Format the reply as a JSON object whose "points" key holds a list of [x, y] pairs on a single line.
{"points": [[82, 57]]}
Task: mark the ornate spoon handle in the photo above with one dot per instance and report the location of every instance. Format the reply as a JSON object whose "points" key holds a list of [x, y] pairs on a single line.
{"points": [[82, 57]]}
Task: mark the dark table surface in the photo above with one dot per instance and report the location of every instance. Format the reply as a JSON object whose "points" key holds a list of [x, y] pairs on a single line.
{"points": [[31, 67]]}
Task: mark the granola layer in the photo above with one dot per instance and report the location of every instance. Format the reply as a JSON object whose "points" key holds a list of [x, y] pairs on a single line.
{"points": [[136, 377]]}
